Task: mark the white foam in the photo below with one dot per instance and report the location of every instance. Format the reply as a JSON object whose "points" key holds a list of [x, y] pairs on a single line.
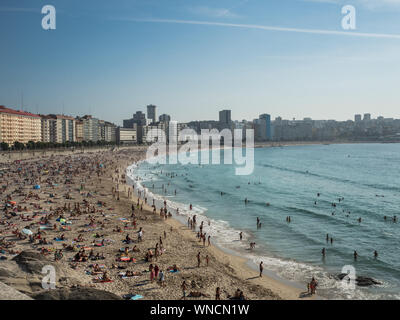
{"points": [[225, 236]]}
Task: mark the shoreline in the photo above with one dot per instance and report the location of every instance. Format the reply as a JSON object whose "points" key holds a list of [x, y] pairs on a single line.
{"points": [[247, 269], [96, 182]]}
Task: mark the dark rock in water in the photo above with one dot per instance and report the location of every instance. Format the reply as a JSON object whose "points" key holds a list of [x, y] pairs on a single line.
{"points": [[75, 294], [366, 281], [31, 261], [360, 280]]}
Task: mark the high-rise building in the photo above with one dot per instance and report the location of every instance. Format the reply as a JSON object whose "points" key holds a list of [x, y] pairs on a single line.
{"points": [[164, 118], [110, 132], [61, 128], [45, 127], [79, 130], [152, 112], [267, 122], [19, 126], [367, 116], [357, 118], [90, 128], [225, 117]]}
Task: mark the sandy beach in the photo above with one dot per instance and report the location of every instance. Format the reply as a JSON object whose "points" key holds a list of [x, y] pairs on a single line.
{"points": [[76, 213]]}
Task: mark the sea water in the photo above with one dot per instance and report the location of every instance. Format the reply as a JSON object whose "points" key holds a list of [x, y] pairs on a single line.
{"points": [[286, 182]]}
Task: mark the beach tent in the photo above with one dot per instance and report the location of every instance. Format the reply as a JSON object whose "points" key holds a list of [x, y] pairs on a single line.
{"points": [[27, 232]]}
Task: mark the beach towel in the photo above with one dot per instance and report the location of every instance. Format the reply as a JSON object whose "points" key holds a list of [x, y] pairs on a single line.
{"points": [[102, 281], [132, 296], [126, 259], [174, 271]]}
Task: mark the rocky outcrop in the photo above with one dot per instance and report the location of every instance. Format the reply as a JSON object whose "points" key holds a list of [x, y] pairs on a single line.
{"points": [[9, 293], [75, 294], [360, 280], [31, 261]]}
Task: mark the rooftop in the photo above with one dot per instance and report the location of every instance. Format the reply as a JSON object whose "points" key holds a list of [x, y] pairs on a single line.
{"points": [[3, 109]]}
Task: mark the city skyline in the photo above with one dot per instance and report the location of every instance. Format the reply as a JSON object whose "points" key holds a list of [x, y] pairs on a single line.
{"points": [[109, 60]]}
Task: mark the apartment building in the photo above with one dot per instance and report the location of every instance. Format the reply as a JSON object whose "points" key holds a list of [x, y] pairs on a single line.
{"points": [[19, 126]]}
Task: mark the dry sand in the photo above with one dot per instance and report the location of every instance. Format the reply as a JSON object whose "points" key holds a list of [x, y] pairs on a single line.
{"points": [[62, 176]]}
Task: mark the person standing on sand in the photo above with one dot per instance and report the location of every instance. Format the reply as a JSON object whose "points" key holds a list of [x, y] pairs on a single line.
{"points": [[261, 268], [183, 286], [241, 236], [218, 294], [198, 260], [151, 269], [156, 270], [207, 259], [162, 279], [209, 240]]}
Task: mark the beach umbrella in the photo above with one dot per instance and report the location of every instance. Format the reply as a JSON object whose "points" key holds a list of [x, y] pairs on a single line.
{"points": [[27, 232]]}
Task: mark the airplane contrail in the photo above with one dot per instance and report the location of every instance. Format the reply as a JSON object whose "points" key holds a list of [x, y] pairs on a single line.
{"points": [[269, 28]]}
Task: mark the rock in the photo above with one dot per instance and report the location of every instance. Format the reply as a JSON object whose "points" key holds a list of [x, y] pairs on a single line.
{"points": [[360, 280], [75, 294], [31, 261], [9, 293], [4, 273], [366, 281]]}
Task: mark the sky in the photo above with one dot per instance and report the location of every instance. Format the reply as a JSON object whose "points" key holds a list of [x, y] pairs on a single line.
{"points": [[288, 58]]}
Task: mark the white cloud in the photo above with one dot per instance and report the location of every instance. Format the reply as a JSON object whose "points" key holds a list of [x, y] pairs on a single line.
{"points": [[213, 12], [10, 9], [369, 4], [269, 28]]}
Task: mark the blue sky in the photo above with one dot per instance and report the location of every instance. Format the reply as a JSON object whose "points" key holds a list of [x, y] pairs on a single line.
{"points": [[193, 58]]}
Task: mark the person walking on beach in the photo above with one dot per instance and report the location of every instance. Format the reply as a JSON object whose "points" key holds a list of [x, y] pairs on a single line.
{"points": [[313, 285], [261, 268], [207, 260], [241, 236], [162, 278], [183, 286], [198, 260], [140, 235], [151, 269], [209, 240]]}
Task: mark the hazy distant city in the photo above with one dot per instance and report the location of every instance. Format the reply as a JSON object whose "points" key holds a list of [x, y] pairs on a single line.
{"points": [[19, 129]]}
